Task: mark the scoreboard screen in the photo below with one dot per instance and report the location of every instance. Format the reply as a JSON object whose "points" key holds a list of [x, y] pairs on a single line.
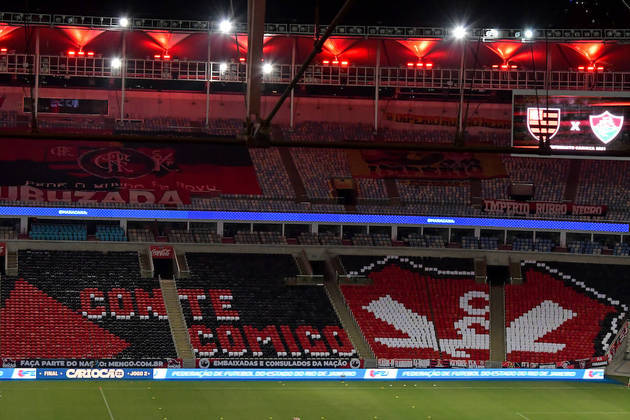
{"points": [[585, 121]]}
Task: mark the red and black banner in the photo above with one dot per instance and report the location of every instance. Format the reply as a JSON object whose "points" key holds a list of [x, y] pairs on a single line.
{"points": [[209, 363], [430, 363], [170, 363], [540, 208], [424, 165], [122, 172]]}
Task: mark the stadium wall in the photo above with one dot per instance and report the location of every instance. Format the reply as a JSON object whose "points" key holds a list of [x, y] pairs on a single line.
{"points": [[191, 106]]}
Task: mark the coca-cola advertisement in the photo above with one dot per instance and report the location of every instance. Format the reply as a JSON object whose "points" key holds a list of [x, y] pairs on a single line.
{"points": [[162, 252]]}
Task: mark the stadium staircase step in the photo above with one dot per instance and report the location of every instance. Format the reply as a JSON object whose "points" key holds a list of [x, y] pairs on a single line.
{"points": [[146, 264], [303, 264], [348, 322], [392, 191], [177, 322], [481, 270], [570, 191], [11, 262], [475, 193], [516, 274], [619, 366], [183, 272], [294, 176], [497, 277]]}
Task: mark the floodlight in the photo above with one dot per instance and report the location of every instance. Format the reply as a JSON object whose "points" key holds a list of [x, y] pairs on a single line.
{"points": [[116, 63], [123, 21], [223, 67], [459, 32], [225, 26], [267, 68], [492, 33], [528, 34]]}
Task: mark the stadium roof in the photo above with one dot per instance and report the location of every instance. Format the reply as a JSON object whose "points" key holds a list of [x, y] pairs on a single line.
{"points": [[532, 49]]}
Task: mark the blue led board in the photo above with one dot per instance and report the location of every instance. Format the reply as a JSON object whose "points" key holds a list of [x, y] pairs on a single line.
{"points": [[335, 218], [303, 374]]}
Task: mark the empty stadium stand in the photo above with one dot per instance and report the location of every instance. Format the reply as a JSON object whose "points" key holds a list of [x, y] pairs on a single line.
{"points": [[419, 308], [82, 305], [237, 306], [564, 311]]}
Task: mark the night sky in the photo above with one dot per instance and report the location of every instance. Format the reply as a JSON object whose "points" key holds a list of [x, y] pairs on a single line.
{"points": [[476, 13]]}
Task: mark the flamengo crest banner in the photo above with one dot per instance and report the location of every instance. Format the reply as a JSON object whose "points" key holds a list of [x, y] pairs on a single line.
{"points": [[93, 172], [541, 208]]}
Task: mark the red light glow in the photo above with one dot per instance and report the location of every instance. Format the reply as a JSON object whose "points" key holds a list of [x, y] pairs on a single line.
{"points": [[504, 66], [581, 68], [157, 56], [3, 50], [241, 59], [6, 30], [81, 37], [600, 68], [326, 62], [505, 50], [420, 47], [429, 65], [495, 66], [409, 64], [166, 40], [90, 53], [335, 62], [513, 66], [419, 64], [167, 57], [591, 68], [81, 53], [344, 63], [590, 50], [71, 53]]}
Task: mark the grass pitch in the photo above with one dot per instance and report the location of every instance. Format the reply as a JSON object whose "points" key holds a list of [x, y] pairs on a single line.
{"points": [[312, 400]]}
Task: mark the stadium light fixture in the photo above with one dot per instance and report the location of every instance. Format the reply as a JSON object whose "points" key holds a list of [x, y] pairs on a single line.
{"points": [[225, 26], [492, 33], [123, 22], [116, 63], [267, 68], [528, 34], [459, 32], [223, 67]]}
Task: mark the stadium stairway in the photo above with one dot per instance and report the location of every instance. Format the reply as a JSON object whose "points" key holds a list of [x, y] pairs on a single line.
{"points": [[179, 331], [146, 264], [392, 191], [183, 271], [573, 178], [348, 322], [619, 366], [516, 274], [497, 276], [294, 176], [11, 267]]}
